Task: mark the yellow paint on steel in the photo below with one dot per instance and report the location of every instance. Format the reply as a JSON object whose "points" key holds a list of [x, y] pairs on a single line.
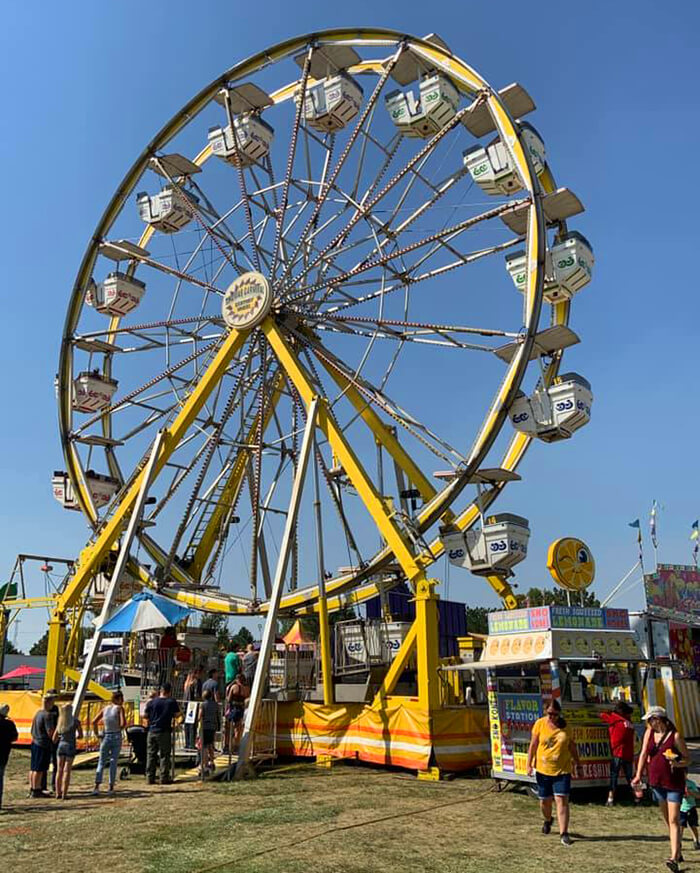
{"points": [[373, 501], [326, 662], [398, 665], [427, 649], [231, 489], [95, 552], [466, 80], [55, 651], [93, 687], [43, 602], [382, 433]]}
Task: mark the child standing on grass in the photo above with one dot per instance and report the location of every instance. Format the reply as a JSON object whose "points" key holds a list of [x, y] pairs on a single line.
{"points": [[689, 812]]}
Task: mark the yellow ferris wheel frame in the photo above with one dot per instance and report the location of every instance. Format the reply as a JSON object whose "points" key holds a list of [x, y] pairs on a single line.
{"points": [[353, 587]]}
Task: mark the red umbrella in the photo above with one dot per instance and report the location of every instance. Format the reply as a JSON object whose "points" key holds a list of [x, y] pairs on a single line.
{"points": [[21, 671]]}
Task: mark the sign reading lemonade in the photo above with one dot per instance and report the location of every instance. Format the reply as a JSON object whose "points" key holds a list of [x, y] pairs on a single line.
{"points": [[247, 301]]}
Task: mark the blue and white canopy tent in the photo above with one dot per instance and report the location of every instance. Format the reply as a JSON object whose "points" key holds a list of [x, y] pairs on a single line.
{"points": [[144, 612]]}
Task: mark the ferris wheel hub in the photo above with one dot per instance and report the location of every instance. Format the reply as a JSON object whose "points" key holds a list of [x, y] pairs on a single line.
{"points": [[247, 301]]}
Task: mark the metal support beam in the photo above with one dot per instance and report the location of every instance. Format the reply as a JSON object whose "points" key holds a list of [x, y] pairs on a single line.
{"points": [[4, 622], [96, 552], [427, 648], [261, 671], [396, 539], [324, 628], [120, 566]]}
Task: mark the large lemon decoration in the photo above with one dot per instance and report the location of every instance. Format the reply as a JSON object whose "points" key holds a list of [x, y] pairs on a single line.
{"points": [[571, 564]]}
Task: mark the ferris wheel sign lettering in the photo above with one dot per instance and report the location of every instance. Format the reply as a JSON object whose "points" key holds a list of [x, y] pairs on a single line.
{"points": [[246, 301]]}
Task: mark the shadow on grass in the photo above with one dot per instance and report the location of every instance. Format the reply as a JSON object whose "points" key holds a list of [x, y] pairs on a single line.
{"points": [[618, 838]]}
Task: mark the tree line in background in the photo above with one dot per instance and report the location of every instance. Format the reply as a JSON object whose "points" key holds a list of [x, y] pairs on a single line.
{"points": [[477, 620]]}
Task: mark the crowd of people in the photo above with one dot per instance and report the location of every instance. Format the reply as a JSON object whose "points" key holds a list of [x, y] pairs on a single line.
{"points": [[552, 754], [55, 729], [553, 758]]}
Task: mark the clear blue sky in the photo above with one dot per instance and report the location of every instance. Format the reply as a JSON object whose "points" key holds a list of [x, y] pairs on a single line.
{"points": [[87, 84]]}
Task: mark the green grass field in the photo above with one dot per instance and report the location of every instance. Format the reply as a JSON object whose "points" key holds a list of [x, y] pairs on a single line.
{"points": [[302, 819]]}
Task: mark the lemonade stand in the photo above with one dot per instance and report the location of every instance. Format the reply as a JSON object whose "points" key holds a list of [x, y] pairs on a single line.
{"points": [[587, 658]]}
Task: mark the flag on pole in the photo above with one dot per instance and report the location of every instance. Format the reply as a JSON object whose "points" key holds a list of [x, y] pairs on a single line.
{"points": [[652, 525], [695, 535], [635, 524]]}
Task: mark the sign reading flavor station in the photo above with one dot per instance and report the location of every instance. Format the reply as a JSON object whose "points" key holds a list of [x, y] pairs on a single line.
{"points": [[587, 658]]}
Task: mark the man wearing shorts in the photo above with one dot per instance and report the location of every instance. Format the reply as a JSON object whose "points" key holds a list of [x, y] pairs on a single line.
{"points": [[43, 726]]}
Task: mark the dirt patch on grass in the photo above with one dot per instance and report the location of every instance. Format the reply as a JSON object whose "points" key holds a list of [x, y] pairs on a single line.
{"points": [[301, 819]]}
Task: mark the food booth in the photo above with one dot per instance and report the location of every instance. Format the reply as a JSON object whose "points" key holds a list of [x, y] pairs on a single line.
{"points": [[587, 658]]}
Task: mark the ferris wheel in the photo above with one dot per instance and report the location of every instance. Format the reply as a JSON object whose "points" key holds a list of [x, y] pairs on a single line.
{"points": [[351, 227]]}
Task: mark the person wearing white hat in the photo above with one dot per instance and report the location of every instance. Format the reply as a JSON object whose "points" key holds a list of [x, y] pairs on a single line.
{"points": [[8, 736], [666, 754]]}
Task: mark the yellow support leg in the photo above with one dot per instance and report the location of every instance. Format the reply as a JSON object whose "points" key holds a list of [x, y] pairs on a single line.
{"points": [[398, 665], [53, 678], [427, 649], [93, 555], [392, 533]]}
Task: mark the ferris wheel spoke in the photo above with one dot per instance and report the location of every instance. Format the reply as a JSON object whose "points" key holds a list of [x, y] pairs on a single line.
{"points": [[132, 395], [290, 160], [215, 234], [148, 261], [417, 159], [372, 394], [213, 440], [394, 534], [449, 232], [368, 109], [408, 331]]}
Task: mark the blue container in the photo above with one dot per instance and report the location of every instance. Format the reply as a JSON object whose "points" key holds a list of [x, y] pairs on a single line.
{"points": [[452, 616]]}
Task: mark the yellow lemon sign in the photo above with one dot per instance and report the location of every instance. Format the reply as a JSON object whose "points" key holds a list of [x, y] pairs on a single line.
{"points": [[571, 564]]}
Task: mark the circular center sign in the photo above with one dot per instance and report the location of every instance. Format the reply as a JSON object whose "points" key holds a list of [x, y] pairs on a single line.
{"points": [[247, 301]]}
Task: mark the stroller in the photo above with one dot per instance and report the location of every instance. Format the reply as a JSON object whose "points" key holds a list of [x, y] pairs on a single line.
{"points": [[136, 735]]}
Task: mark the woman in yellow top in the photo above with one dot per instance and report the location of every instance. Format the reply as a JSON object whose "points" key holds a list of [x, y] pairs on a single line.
{"points": [[553, 755]]}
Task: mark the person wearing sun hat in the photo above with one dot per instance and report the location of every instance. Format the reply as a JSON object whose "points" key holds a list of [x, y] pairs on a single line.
{"points": [[666, 754], [8, 736]]}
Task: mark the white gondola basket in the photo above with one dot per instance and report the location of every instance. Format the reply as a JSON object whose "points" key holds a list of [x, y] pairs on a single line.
{"points": [[554, 413], [331, 104], [568, 268], [117, 295], [169, 210], [253, 138], [92, 391], [495, 548], [428, 114]]}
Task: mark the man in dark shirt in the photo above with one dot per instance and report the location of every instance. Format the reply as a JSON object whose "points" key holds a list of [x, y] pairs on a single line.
{"points": [[43, 726], [8, 736], [54, 746], [160, 713], [212, 684]]}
